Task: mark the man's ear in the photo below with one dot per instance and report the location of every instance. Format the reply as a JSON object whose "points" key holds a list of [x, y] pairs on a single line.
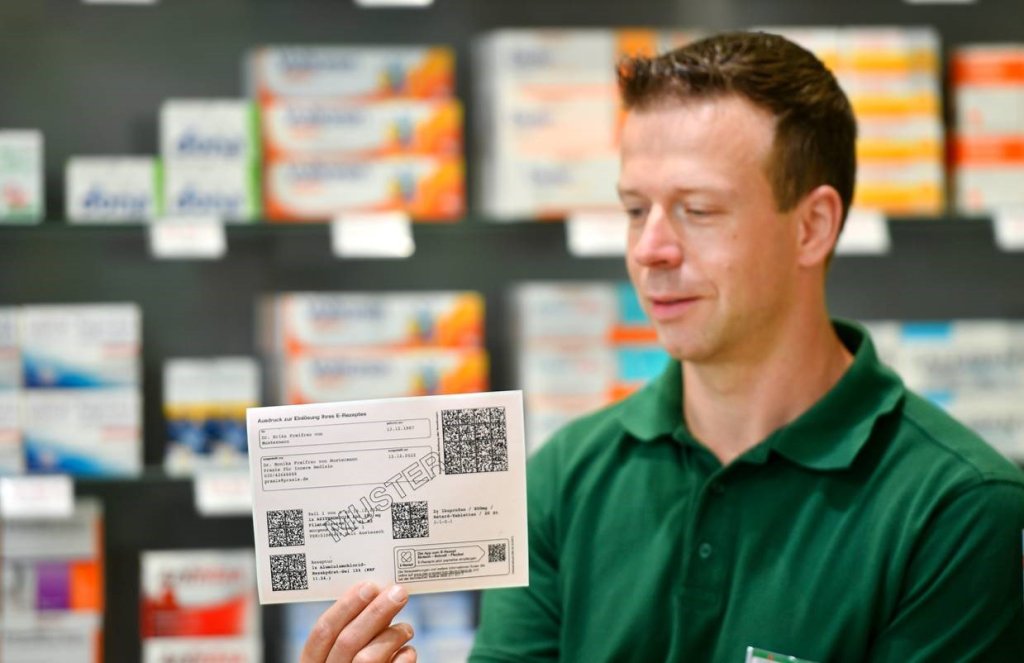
{"points": [[820, 217]]}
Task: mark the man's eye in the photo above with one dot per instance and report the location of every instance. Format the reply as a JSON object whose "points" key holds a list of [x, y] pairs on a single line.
{"points": [[690, 212], [636, 213]]}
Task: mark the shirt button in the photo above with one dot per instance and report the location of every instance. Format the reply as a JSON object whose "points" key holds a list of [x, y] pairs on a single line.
{"points": [[704, 551]]}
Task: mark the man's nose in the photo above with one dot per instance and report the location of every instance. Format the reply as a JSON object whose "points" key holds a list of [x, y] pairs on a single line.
{"points": [[657, 243]]}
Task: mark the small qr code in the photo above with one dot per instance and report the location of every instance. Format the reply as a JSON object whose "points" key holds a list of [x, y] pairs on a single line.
{"points": [[475, 440], [284, 528], [409, 520], [288, 572], [496, 552]]}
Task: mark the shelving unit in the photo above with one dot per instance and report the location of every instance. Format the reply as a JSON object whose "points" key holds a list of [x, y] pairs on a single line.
{"points": [[95, 89]]}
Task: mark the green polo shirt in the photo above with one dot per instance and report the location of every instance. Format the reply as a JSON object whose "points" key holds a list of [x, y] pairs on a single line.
{"points": [[872, 528]]}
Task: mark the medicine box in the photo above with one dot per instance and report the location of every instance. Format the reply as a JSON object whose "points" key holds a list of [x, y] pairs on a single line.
{"points": [[217, 130], [112, 189], [21, 176], [83, 432], [351, 72], [80, 345], [312, 189]]}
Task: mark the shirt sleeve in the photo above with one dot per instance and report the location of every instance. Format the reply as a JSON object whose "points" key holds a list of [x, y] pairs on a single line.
{"points": [[522, 624], [962, 598]]}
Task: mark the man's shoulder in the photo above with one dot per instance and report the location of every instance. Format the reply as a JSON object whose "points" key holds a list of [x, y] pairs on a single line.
{"points": [[589, 432], [936, 440]]}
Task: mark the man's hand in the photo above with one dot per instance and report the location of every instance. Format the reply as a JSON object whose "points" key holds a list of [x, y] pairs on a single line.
{"points": [[357, 629]]}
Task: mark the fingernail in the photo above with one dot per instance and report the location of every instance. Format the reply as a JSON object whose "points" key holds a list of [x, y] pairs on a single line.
{"points": [[408, 630], [397, 594], [368, 591]]}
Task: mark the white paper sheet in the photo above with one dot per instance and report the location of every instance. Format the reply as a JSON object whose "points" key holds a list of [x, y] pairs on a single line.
{"points": [[429, 492]]}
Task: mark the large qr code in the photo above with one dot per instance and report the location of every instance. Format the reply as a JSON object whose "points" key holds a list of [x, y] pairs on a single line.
{"points": [[475, 440], [288, 572], [496, 552], [284, 528], [409, 520]]}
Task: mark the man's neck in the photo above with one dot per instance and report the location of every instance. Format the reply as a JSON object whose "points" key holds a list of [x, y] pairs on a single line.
{"points": [[731, 406]]}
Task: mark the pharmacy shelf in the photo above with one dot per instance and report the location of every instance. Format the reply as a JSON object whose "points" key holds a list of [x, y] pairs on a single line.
{"points": [[155, 512]]}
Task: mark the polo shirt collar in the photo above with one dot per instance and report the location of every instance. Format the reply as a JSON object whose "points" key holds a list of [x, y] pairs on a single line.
{"points": [[827, 436]]}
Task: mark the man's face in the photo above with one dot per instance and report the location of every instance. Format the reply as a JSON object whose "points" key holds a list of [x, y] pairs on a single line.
{"points": [[712, 259]]}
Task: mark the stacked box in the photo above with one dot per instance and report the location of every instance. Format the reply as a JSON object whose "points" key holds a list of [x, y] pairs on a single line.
{"points": [[550, 118], [82, 399], [112, 189], [444, 626], [204, 409], [11, 451], [359, 129], [891, 76], [973, 368], [211, 156], [581, 346], [988, 93], [325, 347], [199, 605], [52, 598], [21, 176]]}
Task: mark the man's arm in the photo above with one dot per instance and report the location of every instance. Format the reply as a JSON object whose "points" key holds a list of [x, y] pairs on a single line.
{"points": [[962, 597], [523, 624]]}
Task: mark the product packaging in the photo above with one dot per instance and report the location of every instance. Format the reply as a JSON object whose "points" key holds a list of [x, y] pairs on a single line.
{"points": [[112, 189], [313, 189], [84, 432], [21, 176], [199, 605], [355, 73], [209, 130], [80, 345]]}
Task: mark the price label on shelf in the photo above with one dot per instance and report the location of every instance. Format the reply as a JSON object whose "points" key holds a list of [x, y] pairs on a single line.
{"points": [[177, 238], [120, 2], [30, 497], [223, 493], [1008, 226], [394, 3], [597, 234], [372, 235], [866, 233]]}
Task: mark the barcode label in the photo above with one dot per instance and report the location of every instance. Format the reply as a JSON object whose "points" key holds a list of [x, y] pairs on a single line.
{"points": [[475, 440], [288, 572], [284, 528], [409, 520]]}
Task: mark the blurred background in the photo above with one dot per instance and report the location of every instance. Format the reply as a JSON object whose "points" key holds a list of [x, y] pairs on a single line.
{"points": [[488, 131]]}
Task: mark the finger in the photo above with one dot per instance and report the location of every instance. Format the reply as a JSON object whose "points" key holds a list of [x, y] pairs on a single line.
{"points": [[334, 619], [383, 648], [365, 626], [405, 655]]}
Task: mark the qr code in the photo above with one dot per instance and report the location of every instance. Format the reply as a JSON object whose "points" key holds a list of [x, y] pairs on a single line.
{"points": [[288, 572], [496, 552], [284, 528], [409, 520], [475, 440]]}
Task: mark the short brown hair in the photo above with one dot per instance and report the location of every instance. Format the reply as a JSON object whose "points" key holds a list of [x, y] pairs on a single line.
{"points": [[815, 131]]}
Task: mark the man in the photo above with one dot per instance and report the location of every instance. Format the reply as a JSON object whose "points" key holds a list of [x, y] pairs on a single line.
{"points": [[777, 488]]}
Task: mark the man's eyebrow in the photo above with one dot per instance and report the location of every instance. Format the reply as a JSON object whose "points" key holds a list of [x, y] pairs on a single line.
{"points": [[679, 190]]}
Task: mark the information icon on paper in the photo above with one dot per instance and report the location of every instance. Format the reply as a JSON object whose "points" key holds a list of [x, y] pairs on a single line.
{"points": [[429, 492]]}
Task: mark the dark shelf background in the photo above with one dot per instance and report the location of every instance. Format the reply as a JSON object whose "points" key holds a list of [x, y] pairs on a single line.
{"points": [[92, 79]]}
